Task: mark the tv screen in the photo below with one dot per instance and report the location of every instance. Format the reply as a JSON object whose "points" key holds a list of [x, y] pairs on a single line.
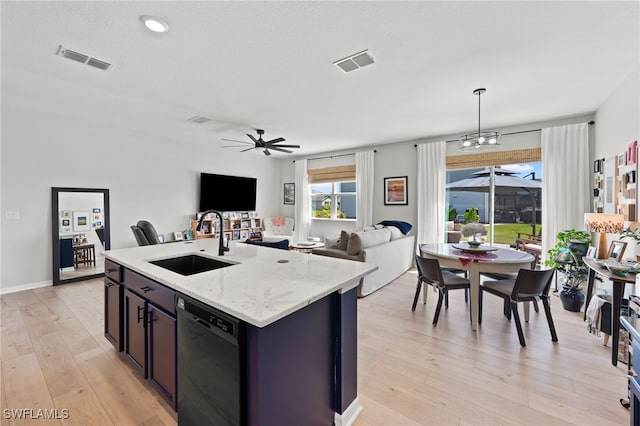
{"points": [[227, 193]]}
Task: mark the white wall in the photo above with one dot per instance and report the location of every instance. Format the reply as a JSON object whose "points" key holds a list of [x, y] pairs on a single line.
{"points": [[618, 118], [399, 159], [149, 176]]}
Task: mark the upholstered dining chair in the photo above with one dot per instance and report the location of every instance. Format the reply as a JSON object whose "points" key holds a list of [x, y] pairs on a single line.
{"points": [[529, 285], [429, 272], [149, 232], [140, 237]]}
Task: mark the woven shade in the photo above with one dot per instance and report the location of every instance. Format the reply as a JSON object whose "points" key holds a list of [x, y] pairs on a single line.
{"points": [[332, 174], [494, 158]]}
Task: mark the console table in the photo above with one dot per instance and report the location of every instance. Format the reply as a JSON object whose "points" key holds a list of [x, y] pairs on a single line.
{"points": [[616, 302]]}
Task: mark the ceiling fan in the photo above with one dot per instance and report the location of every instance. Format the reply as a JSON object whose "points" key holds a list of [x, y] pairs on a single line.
{"points": [[262, 144]]}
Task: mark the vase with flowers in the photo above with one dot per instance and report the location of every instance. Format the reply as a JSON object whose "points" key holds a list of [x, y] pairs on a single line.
{"points": [[473, 228]]}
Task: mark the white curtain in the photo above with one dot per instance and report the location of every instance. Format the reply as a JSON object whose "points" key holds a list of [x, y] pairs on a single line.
{"points": [[431, 192], [364, 188], [303, 203], [567, 182]]}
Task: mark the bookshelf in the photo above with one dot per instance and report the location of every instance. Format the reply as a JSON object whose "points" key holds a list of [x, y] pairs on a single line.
{"points": [[236, 227]]}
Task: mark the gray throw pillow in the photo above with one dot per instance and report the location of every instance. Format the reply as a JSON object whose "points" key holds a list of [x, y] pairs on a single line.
{"points": [[354, 245], [344, 240]]}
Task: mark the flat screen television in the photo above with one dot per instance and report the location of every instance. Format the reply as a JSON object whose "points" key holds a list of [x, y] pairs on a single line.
{"points": [[227, 193]]}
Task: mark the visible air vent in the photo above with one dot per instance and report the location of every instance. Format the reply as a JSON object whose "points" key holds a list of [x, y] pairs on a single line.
{"points": [[355, 61], [199, 119], [85, 59]]}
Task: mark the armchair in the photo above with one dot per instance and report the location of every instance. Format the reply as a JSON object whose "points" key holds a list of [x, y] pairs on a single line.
{"points": [[277, 229]]}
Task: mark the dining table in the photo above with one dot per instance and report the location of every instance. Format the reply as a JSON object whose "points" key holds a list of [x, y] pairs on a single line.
{"points": [[483, 259]]}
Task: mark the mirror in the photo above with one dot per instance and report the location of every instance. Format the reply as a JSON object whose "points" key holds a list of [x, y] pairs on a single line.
{"points": [[79, 232]]}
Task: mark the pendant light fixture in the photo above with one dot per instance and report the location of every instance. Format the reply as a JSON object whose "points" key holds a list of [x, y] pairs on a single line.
{"points": [[480, 139]]}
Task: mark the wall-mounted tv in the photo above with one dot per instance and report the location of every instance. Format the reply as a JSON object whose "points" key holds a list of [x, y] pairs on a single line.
{"points": [[227, 193]]}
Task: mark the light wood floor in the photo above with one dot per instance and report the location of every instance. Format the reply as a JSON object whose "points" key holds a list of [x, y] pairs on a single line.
{"points": [[54, 355]]}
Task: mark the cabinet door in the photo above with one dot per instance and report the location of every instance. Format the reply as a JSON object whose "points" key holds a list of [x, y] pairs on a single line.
{"points": [[135, 342], [113, 313], [161, 331]]}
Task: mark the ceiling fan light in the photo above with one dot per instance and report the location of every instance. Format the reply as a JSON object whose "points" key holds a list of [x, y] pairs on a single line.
{"points": [[481, 139], [492, 141], [467, 142]]}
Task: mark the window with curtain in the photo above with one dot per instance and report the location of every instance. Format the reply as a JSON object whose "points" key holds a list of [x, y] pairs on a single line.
{"points": [[333, 192], [517, 202]]}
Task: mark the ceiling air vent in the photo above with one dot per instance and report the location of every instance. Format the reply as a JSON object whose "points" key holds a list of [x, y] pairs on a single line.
{"points": [[85, 59], [199, 119], [355, 61]]}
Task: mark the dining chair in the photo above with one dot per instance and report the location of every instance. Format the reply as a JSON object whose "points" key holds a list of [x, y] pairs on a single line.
{"points": [[429, 272], [529, 285]]}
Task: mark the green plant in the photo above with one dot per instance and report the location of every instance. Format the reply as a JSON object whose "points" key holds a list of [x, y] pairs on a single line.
{"points": [[471, 215], [452, 214], [325, 212], [565, 260], [631, 233]]}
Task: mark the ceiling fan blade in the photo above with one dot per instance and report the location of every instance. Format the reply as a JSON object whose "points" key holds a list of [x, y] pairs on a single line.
{"points": [[285, 146], [248, 149], [276, 140], [266, 152], [275, 148], [233, 146], [232, 140], [256, 141]]}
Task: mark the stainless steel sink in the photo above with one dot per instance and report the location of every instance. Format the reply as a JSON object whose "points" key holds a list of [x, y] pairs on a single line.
{"points": [[191, 264]]}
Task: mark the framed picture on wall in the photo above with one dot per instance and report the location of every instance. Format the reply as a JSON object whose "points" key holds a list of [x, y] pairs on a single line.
{"points": [[622, 159], [81, 221], [395, 190], [289, 193]]}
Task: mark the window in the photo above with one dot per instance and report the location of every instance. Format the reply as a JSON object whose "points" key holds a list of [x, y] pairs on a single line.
{"points": [[333, 200]]}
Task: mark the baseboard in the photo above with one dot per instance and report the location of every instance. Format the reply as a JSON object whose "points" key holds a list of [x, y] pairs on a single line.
{"points": [[31, 286], [350, 414]]}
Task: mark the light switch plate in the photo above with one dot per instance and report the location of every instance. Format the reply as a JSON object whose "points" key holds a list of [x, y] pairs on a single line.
{"points": [[12, 215]]}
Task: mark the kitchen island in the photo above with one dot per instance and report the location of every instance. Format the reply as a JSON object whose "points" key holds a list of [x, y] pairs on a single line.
{"points": [[298, 325]]}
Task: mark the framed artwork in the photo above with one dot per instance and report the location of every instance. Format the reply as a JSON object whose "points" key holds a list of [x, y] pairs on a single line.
{"points": [[245, 215], [161, 238], [616, 250], [178, 236], [244, 234], [592, 251], [97, 210], [622, 159], [597, 166], [65, 213], [81, 221], [289, 193], [236, 235], [395, 191]]}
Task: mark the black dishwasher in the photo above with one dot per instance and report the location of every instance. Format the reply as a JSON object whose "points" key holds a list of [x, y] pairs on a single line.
{"points": [[211, 366]]}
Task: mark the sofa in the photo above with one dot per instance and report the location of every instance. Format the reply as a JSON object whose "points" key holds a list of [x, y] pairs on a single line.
{"points": [[385, 246], [277, 229]]}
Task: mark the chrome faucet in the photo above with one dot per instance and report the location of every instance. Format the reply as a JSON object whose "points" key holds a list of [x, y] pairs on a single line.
{"points": [[221, 247]]}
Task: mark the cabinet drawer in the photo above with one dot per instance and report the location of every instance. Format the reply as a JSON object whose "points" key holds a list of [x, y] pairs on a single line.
{"points": [[154, 292], [113, 271]]}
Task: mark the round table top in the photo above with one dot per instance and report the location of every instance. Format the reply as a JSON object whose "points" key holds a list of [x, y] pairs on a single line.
{"points": [[307, 245], [498, 254]]}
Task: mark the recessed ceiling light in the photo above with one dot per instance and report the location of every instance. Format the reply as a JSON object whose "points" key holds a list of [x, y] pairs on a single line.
{"points": [[154, 24]]}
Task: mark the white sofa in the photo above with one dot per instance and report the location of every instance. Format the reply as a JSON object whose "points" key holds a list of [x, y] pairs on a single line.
{"points": [[272, 234], [389, 249]]}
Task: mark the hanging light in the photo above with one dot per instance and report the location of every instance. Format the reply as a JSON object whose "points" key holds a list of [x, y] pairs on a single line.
{"points": [[480, 139]]}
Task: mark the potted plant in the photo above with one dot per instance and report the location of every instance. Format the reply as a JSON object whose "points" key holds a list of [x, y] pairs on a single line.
{"points": [[633, 234], [566, 257], [473, 228]]}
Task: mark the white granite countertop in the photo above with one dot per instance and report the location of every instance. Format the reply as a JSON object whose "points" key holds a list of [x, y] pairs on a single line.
{"points": [[258, 289]]}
